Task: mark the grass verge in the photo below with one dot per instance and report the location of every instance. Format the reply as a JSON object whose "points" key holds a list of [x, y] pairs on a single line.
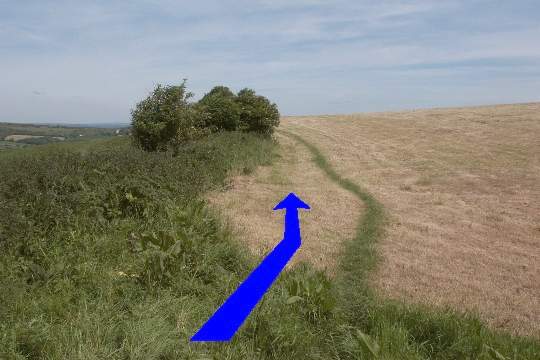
{"points": [[390, 329], [110, 252]]}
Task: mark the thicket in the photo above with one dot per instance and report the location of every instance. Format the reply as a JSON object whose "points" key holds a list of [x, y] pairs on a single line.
{"points": [[167, 118]]}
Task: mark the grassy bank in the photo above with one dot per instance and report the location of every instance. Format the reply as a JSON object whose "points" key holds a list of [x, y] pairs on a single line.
{"points": [[395, 330], [109, 252]]}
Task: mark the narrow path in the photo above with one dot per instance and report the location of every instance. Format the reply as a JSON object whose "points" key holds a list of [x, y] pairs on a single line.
{"points": [[359, 256], [247, 205]]}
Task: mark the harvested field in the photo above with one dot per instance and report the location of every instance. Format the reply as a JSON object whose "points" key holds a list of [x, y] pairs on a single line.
{"points": [[249, 200], [21, 137], [461, 189]]}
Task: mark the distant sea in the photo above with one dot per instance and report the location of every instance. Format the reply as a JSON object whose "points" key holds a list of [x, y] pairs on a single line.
{"points": [[107, 125]]}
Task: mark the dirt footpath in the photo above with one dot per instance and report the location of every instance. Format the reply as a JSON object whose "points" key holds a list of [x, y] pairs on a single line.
{"points": [[248, 201]]}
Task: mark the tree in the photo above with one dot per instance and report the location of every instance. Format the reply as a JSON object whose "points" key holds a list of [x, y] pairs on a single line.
{"points": [[257, 113], [219, 109], [165, 118]]}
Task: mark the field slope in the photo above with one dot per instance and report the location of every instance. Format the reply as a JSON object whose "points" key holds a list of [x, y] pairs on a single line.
{"points": [[14, 135], [461, 191]]}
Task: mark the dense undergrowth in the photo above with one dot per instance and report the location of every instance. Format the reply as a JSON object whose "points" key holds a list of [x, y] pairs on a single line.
{"points": [[109, 252]]}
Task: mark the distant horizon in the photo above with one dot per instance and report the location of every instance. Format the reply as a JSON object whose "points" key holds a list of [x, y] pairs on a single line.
{"points": [[113, 124], [107, 125]]}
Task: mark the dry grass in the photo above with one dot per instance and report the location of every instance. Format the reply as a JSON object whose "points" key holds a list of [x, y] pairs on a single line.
{"points": [[462, 188], [248, 204]]}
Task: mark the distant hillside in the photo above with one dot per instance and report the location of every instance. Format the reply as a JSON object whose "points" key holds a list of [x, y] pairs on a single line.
{"points": [[20, 135]]}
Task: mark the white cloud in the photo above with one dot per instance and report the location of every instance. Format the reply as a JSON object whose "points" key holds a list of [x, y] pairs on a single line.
{"points": [[309, 56]]}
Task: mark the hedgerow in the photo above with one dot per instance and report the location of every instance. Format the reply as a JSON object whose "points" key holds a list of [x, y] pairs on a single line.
{"points": [[166, 118]]}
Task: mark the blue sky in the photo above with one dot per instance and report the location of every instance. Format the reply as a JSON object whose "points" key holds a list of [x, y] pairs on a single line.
{"points": [[91, 61]]}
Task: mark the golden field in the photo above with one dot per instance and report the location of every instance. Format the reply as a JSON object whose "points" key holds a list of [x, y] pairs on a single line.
{"points": [[461, 190]]}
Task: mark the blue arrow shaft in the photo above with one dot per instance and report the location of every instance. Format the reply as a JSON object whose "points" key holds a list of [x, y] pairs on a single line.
{"points": [[231, 315], [292, 226]]}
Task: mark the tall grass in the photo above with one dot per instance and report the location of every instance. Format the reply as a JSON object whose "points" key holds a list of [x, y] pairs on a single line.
{"points": [[110, 252]]}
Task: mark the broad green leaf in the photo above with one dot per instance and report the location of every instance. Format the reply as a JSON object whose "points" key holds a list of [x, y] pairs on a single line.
{"points": [[369, 345]]}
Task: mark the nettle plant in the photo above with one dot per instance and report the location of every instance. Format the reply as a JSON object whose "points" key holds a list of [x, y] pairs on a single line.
{"points": [[189, 244]]}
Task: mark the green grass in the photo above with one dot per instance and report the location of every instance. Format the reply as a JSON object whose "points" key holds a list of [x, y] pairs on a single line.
{"points": [[49, 133], [4, 145], [405, 331], [110, 252]]}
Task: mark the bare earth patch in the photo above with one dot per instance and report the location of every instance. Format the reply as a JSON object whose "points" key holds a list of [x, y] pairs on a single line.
{"points": [[249, 200], [462, 190]]}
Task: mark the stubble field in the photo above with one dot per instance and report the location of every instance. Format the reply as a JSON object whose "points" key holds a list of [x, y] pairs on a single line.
{"points": [[461, 194]]}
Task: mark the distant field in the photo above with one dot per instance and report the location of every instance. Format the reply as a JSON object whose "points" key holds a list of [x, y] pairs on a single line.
{"points": [[20, 135], [10, 145], [461, 189]]}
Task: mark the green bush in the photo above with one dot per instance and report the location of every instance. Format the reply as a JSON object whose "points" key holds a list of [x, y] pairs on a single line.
{"points": [[165, 118], [220, 110], [257, 114]]}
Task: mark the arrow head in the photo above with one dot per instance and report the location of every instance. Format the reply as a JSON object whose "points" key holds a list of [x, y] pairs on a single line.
{"points": [[291, 201]]}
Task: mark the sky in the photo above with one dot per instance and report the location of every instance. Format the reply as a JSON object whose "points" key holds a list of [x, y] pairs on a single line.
{"points": [[92, 61]]}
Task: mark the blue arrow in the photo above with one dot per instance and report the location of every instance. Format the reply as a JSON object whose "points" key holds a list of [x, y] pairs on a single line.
{"points": [[231, 315]]}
